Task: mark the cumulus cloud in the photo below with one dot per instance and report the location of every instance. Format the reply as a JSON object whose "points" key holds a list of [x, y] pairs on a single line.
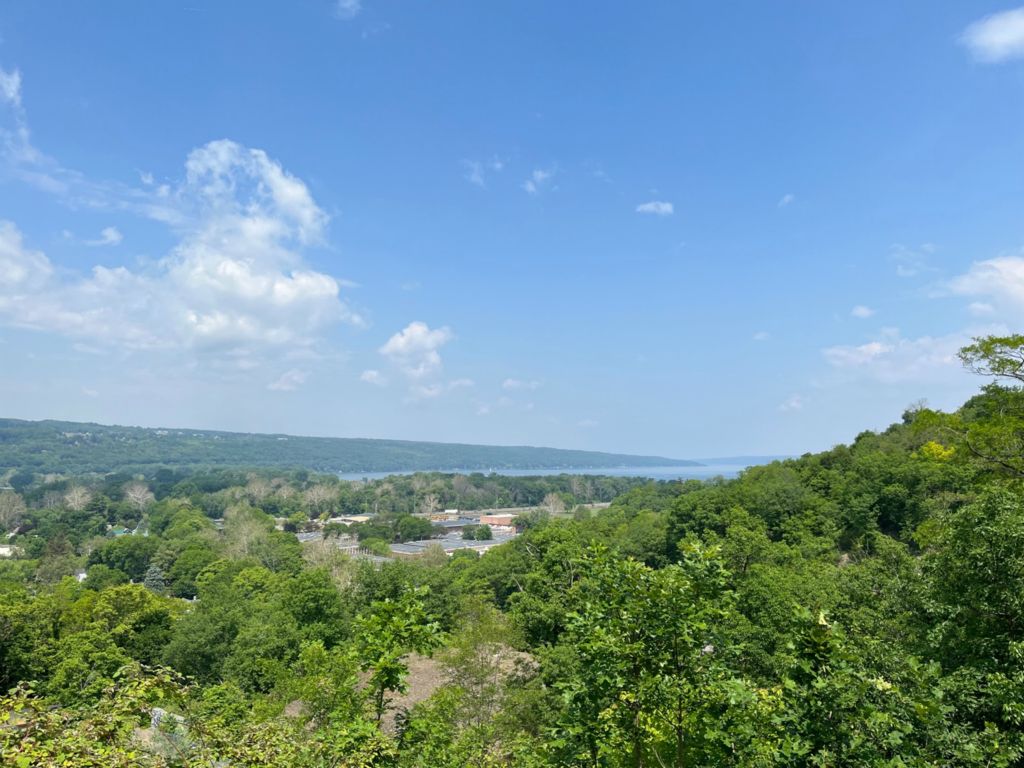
{"points": [[235, 285], [415, 350], [289, 381], [23, 271], [656, 208], [861, 312], [539, 179], [1000, 281], [108, 236], [995, 38]]}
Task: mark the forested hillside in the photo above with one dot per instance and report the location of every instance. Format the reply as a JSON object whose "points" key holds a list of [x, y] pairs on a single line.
{"points": [[72, 447], [858, 607]]}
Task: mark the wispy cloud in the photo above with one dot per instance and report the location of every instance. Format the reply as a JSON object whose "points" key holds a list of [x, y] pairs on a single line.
{"points": [[371, 376], [656, 208], [10, 87], [513, 384], [762, 336], [861, 312], [346, 10], [792, 403], [476, 171], [289, 381], [423, 391], [892, 358], [539, 180], [912, 261], [786, 200], [995, 38]]}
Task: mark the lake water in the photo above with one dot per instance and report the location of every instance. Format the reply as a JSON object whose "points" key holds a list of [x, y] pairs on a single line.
{"points": [[655, 473]]}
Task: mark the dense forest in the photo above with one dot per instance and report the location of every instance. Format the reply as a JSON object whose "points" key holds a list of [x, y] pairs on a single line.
{"points": [[66, 447], [858, 607]]}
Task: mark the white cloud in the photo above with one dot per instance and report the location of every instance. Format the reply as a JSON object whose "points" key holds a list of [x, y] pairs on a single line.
{"points": [[425, 391], [374, 377], [894, 359], [477, 170], [347, 9], [792, 403], [520, 384], [786, 200], [10, 87], [762, 336], [108, 236], [587, 423], [234, 287], [852, 356], [289, 381], [656, 208], [415, 349], [1000, 281], [911, 262], [23, 272], [981, 309], [996, 38], [539, 179], [861, 312]]}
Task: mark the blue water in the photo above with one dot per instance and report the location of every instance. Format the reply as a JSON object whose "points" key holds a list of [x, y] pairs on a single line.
{"points": [[655, 473]]}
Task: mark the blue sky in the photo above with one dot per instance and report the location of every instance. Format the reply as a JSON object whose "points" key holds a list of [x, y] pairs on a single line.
{"points": [[689, 229]]}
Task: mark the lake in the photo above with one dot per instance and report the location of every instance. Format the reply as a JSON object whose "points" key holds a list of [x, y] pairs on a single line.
{"points": [[655, 473]]}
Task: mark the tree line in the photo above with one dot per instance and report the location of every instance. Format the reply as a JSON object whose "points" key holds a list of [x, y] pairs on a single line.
{"points": [[856, 607]]}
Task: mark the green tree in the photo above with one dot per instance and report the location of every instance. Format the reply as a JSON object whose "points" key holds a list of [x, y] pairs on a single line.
{"points": [[385, 635], [154, 579]]}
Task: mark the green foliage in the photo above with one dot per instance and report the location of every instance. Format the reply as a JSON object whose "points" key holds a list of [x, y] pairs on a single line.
{"points": [[70, 447], [385, 635], [857, 607], [477, 533], [128, 554]]}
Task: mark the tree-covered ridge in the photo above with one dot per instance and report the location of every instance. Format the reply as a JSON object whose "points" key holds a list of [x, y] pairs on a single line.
{"points": [[77, 448], [857, 607]]}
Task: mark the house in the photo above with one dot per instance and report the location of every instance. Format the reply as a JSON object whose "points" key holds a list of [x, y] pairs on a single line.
{"points": [[499, 523], [450, 543], [455, 524], [9, 550]]}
